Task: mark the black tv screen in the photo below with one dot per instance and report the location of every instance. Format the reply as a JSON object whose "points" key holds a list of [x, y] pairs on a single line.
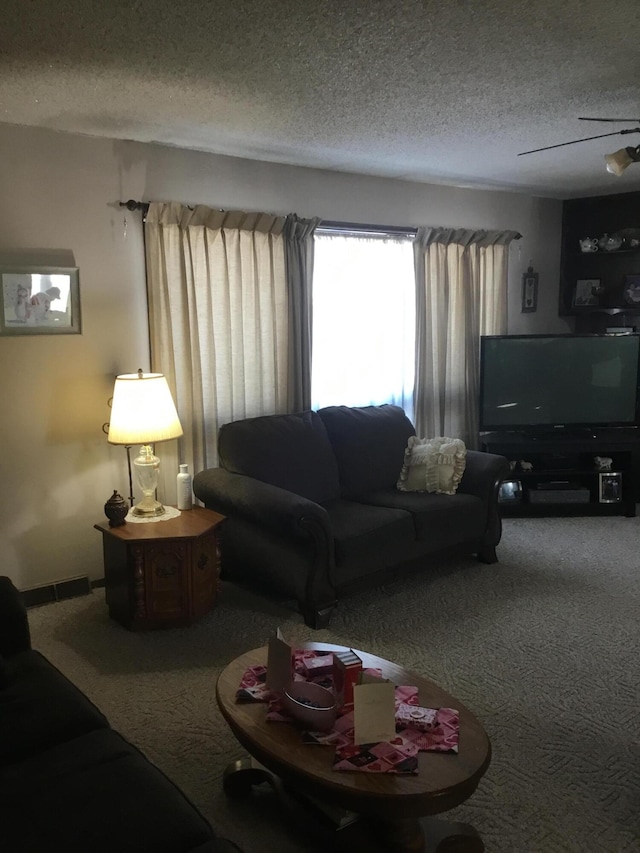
{"points": [[537, 382]]}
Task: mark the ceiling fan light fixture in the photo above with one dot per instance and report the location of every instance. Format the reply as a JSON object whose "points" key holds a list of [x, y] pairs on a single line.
{"points": [[620, 159]]}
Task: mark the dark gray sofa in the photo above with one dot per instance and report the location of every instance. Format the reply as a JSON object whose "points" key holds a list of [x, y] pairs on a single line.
{"points": [[313, 511], [68, 781]]}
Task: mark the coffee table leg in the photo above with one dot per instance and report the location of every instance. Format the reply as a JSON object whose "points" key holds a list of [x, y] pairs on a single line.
{"points": [[240, 776], [427, 835], [403, 836], [430, 835]]}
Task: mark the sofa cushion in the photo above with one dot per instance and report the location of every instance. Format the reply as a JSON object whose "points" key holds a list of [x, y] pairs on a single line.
{"points": [[369, 444], [442, 520], [433, 465], [369, 534], [40, 707], [289, 451], [97, 793]]}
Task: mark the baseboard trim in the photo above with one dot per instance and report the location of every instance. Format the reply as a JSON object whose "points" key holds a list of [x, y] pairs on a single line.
{"points": [[59, 591]]}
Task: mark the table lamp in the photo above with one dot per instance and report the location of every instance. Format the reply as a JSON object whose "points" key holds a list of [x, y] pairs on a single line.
{"points": [[143, 412]]}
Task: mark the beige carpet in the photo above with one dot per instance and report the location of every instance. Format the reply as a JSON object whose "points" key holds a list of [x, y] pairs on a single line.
{"points": [[543, 647]]}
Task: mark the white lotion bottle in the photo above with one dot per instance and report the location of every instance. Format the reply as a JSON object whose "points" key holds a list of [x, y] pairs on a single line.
{"points": [[185, 497]]}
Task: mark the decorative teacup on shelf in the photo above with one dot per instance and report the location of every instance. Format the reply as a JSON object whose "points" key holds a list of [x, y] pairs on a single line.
{"points": [[610, 243], [588, 244]]}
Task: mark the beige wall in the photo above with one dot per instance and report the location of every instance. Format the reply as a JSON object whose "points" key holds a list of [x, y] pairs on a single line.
{"points": [[59, 198]]}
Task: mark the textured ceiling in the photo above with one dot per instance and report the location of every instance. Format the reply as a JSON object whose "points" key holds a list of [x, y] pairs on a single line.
{"points": [[442, 92]]}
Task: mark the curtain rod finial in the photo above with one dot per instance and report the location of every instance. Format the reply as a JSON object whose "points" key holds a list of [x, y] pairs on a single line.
{"points": [[132, 204]]}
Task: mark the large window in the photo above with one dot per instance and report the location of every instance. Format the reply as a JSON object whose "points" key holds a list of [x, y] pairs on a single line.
{"points": [[363, 349]]}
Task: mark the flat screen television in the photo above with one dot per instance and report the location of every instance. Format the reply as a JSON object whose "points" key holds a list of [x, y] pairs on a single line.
{"points": [[548, 383]]}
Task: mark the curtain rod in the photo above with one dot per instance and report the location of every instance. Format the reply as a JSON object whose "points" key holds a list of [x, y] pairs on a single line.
{"points": [[361, 228], [355, 227], [135, 205], [325, 225], [329, 227]]}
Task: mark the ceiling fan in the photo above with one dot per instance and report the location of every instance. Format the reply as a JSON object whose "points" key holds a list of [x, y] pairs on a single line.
{"points": [[616, 162]]}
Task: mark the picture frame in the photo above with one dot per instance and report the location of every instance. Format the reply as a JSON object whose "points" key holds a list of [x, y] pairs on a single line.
{"points": [[631, 292], [529, 291], [39, 300], [609, 487], [510, 491], [587, 292]]}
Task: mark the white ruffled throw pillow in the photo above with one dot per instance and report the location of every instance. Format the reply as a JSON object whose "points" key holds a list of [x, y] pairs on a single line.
{"points": [[433, 465]]}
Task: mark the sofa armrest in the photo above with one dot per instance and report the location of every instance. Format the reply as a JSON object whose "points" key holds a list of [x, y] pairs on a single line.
{"points": [[261, 503], [259, 511], [483, 474], [482, 477], [14, 624]]}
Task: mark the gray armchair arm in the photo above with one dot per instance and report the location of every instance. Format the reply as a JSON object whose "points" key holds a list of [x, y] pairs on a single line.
{"points": [[264, 504]]}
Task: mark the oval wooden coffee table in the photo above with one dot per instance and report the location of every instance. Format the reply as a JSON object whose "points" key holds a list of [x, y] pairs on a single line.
{"points": [[392, 804]]}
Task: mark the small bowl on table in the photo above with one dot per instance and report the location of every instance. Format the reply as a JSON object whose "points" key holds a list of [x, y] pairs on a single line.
{"points": [[310, 704]]}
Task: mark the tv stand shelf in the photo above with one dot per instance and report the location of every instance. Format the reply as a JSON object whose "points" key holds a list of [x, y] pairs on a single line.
{"points": [[560, 476]]}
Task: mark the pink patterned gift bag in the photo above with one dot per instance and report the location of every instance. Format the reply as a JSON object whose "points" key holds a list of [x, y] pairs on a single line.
{"points": [[253, 686]]}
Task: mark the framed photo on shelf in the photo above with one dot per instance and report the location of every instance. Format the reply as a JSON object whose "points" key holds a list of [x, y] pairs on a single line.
{"points": [[510, 491], [586, 293], [609, 487], [39, 300]]}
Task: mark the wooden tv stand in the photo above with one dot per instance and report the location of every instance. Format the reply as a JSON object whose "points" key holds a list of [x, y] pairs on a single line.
{"points": [[563, 478]]}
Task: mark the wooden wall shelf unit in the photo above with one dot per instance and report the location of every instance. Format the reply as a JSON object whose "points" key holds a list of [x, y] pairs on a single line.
{"points": [[618, 301], [564, 479]]}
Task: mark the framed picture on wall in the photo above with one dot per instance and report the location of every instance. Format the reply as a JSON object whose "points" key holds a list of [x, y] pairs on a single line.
{"points": [[587, 292], [529, 291], [40, 301]]}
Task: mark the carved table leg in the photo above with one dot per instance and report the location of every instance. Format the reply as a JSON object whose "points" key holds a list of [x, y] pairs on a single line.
{"points": [[403, 836], [442, 836], [427, 835], [240, 776]]}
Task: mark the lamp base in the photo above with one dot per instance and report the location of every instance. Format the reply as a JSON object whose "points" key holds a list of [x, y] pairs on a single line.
{"points": [[147, 467], [159, 510], [148, 507]]}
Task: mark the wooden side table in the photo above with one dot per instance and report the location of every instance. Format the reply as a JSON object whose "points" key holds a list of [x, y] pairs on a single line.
{"points": [[162, 574]]}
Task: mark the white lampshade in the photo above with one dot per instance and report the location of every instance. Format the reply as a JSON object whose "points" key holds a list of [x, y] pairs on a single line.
{"points": [[142, 411]]}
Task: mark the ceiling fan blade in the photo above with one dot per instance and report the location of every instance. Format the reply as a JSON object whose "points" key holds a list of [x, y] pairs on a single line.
{"points": [[583, 118], [584, 139]]}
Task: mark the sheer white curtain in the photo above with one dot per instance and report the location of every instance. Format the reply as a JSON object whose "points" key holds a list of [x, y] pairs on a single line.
{"points": [[218, 316], [363, 348], [461, 278]]}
